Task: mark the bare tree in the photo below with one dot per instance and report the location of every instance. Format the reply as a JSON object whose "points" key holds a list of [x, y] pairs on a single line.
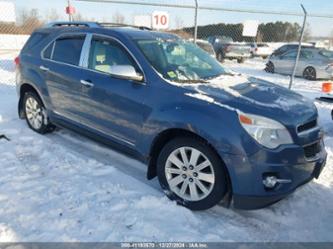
{"points": [[307, 32], [179, 22], [78, 17], [52, 15], [30, 20], [118, 18]]}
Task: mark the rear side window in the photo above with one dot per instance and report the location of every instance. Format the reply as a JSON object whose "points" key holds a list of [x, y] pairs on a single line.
{"points": [[68, 50], [33, 41], [48, 51], [306, 55]]}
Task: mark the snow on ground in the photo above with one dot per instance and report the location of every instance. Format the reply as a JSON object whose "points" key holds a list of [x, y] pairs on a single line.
{"points": [[64, 187]]}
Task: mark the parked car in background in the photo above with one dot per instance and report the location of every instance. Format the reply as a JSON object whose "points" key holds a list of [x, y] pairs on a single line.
{"points": [[260, 50], [225, 48], [283, 49], [206, 133], [205, 45], [313, 63]]}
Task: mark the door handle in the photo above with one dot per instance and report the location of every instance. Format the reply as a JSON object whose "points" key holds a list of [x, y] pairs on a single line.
{"points": [[86, 83], [45, 69]]}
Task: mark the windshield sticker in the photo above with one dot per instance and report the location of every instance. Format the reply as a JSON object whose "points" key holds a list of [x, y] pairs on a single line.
{"points": [[172, 74]]}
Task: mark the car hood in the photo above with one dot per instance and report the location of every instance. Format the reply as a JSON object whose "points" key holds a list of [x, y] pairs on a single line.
{"points": [[255, 96]]}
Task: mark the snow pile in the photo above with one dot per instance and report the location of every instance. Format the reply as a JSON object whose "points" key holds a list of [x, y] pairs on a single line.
{"points": [[64, 187]]}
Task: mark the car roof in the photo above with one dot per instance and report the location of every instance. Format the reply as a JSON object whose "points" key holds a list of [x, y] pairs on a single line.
{"points": [[131, 32]]}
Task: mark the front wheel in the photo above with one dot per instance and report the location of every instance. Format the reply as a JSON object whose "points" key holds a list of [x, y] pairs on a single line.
{"points": [[35, 113], [191, 173], [270, 67]]}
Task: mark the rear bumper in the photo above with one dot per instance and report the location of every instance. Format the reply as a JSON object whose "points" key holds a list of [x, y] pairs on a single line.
{"points": [[247, 176]]}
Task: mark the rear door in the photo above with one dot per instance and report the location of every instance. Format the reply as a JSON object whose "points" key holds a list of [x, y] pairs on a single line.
{"points": [[61, 60]]}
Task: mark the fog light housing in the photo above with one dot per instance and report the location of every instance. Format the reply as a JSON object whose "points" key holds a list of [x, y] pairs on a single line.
{"points": [[270, 181]]}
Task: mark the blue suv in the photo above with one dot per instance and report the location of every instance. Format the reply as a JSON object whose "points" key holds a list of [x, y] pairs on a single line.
{"points": [[209, 135]]}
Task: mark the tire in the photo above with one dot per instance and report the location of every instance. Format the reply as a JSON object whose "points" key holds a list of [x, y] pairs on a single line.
{"points": [[264, 57], [310, 73], [35, 113], [220, 57], [270, 67], [241, 60], [192, 191]]}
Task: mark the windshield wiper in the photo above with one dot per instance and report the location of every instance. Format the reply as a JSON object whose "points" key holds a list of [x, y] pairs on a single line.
{"points": [[192, 81], [219, 75]]}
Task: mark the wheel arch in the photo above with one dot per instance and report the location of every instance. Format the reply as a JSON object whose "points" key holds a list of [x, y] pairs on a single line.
{"points": [[309, 66], [24, 88], [167, 135]]}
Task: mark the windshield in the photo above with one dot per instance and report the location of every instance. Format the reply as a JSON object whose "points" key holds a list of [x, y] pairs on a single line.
{"points": [[180, 61]]}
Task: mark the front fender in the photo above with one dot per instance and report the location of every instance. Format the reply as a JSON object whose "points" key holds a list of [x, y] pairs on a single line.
{"points": [[217, 125]]}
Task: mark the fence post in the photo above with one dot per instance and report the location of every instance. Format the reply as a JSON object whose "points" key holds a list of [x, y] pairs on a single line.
{"points": [[196, 21], [299, 47]]}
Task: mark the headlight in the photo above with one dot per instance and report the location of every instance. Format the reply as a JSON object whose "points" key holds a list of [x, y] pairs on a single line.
{"points": [[265, 131]]}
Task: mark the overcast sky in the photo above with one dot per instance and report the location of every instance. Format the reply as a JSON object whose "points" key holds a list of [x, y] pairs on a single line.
{"points": [[104, 11]]}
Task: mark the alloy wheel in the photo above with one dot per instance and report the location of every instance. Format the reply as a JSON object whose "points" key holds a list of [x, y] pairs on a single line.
{"points": [[310, 73], [34, 113], [190, 174]]}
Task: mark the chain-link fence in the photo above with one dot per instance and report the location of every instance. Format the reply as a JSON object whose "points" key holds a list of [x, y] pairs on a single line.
{"points": [[218, 27]]}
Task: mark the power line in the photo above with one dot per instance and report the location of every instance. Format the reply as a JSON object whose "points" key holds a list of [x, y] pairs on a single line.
{"points": [[215, 8]]}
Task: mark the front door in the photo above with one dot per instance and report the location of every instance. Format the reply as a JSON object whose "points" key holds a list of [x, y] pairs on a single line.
{"points": [[111, 105]]}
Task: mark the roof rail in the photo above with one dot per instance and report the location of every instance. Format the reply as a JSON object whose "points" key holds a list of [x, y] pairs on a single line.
{"points": [[72, 24], [92, 25], [110, 24]]}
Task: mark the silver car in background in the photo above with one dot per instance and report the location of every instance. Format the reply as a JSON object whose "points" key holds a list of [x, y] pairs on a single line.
{"points": [[205, 45], [314, 63]]}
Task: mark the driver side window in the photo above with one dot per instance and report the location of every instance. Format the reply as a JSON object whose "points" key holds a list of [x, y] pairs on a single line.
{"points": [[105, 53], [290, 55]]}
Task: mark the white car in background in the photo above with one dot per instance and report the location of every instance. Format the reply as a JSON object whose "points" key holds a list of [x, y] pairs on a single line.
{"points": [[261, 50]]}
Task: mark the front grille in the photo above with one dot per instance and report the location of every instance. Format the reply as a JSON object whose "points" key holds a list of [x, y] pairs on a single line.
{"points": [[307, 126], [312, 150]]}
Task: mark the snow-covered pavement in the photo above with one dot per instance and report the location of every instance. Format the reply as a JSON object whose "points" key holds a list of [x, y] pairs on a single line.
{"points": [[64, 187]]}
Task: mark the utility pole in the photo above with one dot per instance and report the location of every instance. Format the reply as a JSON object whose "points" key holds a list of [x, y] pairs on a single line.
{"points": [[299, 47]]}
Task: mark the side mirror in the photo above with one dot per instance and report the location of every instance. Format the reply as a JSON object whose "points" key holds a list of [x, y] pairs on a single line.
{"points": [[125, 72]]}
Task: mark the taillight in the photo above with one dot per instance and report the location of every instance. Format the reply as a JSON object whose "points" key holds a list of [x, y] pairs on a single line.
{"points": [[17, 61]]}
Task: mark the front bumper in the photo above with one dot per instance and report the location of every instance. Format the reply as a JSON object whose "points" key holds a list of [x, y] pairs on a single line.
{"points": [[248, 173]]}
